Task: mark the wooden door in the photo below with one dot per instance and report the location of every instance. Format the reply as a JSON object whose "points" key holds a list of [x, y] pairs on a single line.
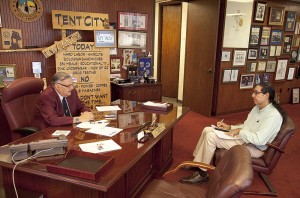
{"points": [[170, 49]]}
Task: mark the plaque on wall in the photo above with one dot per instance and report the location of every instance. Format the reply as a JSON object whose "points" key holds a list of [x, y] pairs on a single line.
{"points": [[27, 11]]}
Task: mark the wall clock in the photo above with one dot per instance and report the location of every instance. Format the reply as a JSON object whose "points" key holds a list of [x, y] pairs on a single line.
{"points": [[26, 10]]}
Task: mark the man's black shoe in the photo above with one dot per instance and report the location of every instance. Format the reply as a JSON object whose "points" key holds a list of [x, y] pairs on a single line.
{"points": [[196, 178]]}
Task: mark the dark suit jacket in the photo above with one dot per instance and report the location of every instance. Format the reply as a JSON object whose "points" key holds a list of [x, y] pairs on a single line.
{"points": [[49, 111]]}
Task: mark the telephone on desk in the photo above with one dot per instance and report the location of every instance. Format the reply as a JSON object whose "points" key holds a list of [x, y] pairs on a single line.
{"points": [[40, 148]]}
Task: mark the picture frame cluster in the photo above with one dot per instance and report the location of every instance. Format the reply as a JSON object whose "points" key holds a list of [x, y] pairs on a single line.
{"points": [[273, 48]]}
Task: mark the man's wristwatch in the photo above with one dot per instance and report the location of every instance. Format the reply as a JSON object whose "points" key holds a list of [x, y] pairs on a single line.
{"points": [[76, 120]]}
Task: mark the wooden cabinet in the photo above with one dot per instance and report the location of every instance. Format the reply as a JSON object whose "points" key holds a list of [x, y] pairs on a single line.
{"points": [[136, 92]]}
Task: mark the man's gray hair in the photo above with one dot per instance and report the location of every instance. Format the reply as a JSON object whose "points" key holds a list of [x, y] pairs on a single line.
{"points": [[60, 76]]}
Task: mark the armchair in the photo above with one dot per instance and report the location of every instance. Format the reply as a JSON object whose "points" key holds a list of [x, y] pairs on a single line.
{"points": [[265, 164], [18, 102], [232, 175]]}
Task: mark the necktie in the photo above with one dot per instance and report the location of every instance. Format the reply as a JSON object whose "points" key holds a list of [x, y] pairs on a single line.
{"points": [[66, 107]]}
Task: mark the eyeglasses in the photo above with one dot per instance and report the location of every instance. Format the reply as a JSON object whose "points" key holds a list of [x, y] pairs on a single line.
{"points": [[257, 92], [68, 86]]}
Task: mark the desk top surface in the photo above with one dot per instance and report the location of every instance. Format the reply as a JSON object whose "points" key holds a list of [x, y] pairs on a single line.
{"points": [[130, 117]]}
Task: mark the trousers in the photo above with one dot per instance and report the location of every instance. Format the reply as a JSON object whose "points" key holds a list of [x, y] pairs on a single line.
{"points": [[209, 141]]}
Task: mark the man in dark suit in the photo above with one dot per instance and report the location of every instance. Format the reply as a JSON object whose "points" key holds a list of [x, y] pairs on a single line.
{"points": [[49, 110]]}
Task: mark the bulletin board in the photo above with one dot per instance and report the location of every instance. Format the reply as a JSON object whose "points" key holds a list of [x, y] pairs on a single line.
{"points": [[90, 69], [7, 74]]}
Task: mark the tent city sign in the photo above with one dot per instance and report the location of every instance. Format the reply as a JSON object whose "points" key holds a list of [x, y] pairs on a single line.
{"points": [[27, 11]]}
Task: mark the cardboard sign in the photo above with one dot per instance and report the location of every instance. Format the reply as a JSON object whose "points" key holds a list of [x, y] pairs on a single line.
{"points": [[11, 38], [90, 69]]}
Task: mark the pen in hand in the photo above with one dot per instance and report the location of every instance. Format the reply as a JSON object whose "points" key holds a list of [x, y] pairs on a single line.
{"points": [[220, 123]]}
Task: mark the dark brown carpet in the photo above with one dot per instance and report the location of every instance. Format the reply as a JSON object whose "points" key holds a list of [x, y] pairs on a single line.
{"points": [[285, 178]]}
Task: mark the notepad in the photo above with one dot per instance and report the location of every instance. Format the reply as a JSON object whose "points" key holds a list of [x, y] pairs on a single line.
{"points": [[223, 135], [61, 132]]}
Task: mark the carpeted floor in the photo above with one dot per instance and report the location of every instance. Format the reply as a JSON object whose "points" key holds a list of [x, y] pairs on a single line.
{"points": [[285, 178]]}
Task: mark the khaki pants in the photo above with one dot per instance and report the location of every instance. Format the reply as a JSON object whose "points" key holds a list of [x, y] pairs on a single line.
{"points": [[209, 141]]}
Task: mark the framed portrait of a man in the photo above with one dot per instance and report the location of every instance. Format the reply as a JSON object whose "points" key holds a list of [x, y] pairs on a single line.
{"points": [[290, 21], [259, 12], [281, 69], [254, 35]]}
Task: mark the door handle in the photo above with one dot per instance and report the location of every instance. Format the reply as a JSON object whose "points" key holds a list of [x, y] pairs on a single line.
{"points": [[210, 70]]}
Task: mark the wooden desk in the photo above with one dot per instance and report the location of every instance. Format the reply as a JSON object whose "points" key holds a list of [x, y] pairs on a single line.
{"points": [[136, 92], [134, 167]]}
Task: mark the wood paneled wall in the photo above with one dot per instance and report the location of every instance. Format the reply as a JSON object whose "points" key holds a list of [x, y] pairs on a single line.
{"points": [[230, 98], [41, 34]]}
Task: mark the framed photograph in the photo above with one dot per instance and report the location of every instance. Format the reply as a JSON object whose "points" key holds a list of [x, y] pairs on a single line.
{"points": [[294, 56], [7, 74], [265, 35], [278, 50], [281, 69], [271, 66], [261, 66], [128, 39], [291, 73], [238, 20], [287, 44], [230, 75], [266, 77], [297, 28], [272, 50], [251, 66], [105, 38], [276, 37], [259, 12], [296, 41], [226, 56], [258, 78], [252, 54], [254, 36], [276, 16], [239, 57], [247, 81], [145, 67], [295, 95], [298, 57], [115, 64], [132, 21], [0, 21], [263, 52], [290, 21]]}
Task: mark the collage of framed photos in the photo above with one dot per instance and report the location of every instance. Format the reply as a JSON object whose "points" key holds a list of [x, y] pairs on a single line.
{"points": [[128, 34], [273, 52]]}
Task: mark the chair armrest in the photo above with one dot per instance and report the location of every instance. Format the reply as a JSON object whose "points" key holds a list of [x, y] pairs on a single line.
{"points": [[190, 163], [275, 147], [26, 130]]}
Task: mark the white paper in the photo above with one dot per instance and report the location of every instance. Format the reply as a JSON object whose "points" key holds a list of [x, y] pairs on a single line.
{"points": [[155, 104], [223, 135], [61, 132], [108, 108], [88, 125], [100, 147], [106, 131]]}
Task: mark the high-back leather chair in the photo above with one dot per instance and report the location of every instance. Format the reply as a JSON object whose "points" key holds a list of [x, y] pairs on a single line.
{"points": [[265, 164], [232, 175], [18, 101]]}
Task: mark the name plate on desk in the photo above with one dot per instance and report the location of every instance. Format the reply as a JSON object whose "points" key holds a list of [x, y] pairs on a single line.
{"points": [[157, 130]]}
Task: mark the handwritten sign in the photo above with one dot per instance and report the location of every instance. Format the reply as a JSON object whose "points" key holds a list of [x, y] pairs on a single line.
{"points": [[79, 20], [90, 69], [58, 46]]}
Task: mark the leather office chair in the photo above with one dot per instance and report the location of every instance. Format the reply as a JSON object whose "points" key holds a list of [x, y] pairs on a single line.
{"points": [[232, 175], [18, 102], [265, 164]]}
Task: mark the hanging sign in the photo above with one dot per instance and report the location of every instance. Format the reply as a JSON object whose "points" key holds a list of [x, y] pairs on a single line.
{"points": [[79, 20]]}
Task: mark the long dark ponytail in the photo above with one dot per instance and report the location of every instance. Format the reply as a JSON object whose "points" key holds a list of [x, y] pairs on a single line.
{"points": [[269, 88]]}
